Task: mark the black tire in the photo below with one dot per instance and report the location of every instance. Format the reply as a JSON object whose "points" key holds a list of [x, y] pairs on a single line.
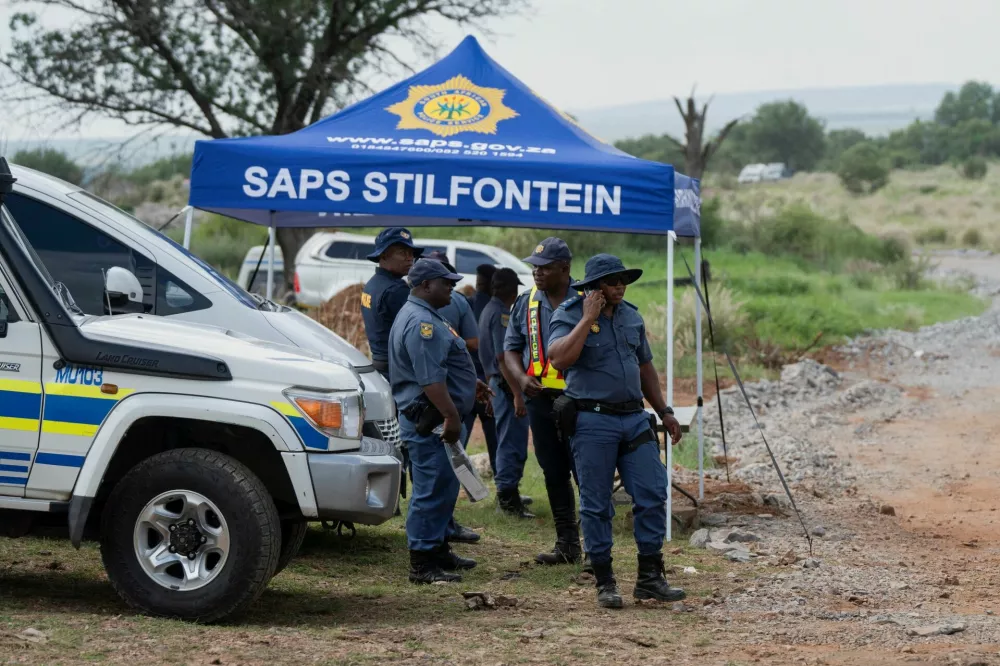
{"points": [[293, 533], [243, 502]]}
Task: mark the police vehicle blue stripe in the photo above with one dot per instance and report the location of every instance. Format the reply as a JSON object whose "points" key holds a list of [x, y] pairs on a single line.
{"points": [[74, 409], [59, 459], [311, 437], [14, 468], [14, 480], [18, 405], [14, 455]]}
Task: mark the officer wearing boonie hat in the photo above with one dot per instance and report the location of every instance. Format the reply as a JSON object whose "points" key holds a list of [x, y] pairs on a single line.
{"points": [[526, 357], [433, 381], [386, 291], [511, 416], [599, 341]]}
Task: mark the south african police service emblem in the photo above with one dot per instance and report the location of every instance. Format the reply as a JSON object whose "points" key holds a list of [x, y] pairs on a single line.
{"points": [[457, 105]]}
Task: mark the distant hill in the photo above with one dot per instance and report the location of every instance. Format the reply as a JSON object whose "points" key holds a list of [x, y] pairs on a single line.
{"points": [[872, 109]]}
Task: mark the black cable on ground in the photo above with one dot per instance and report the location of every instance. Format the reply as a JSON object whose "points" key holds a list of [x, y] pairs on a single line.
{"points": [[739, 382]]}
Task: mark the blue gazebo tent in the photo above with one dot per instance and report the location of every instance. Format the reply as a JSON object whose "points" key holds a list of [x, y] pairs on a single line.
{"points": [[461, 143]]}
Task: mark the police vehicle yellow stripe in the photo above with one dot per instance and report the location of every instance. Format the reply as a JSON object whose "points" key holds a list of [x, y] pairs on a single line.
{"points": [[11, 423], [79, 391], [65, 428], [20, 386], [286, 408]]}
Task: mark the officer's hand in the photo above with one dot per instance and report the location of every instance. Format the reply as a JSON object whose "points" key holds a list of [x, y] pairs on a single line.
{"points": [[530, 386], [592, 305], [452, 430], [520, 409], [671, 425], [483, 392]]}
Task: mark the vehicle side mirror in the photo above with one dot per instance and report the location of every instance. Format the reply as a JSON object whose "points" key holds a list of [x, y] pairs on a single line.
{"points": [[122, 292], [3, 319]]}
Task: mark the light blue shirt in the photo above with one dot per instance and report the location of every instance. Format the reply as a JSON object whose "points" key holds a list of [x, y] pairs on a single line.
{"points": [[608, 367], [425, 349]]}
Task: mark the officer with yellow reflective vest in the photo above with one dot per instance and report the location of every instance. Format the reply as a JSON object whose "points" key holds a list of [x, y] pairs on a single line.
{"points": [[599, 341], [386, 291], [525, 355]]}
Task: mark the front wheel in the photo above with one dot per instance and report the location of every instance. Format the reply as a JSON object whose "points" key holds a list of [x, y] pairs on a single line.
{"points": [[190, 533]]}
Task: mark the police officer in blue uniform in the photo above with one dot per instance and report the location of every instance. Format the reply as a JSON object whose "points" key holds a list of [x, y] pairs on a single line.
{"points": [[526, 357], [434, 383], [459, 314], [508, 408], [599, 341], [386, 292]]}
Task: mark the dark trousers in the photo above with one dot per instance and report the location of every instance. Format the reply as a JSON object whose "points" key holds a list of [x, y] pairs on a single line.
{"points": [[489, 432], [554, 457]]}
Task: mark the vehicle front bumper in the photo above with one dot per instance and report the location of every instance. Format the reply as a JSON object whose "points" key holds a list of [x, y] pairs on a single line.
{"points": [[360, 486]]}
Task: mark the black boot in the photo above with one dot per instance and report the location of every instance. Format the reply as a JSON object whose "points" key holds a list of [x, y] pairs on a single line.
{"points": [[588, 566], [424, 569], [650, 583], [509, 502], [463, 534], [449, 561], [567, 549], [608, 595], [525, 500]]}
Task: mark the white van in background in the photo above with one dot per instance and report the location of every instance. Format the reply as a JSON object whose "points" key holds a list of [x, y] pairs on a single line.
{"points": [[751, 173], [331, 261]]}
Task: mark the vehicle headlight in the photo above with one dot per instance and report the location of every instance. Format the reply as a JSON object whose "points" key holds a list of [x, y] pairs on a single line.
{"points": [[336, 413]]}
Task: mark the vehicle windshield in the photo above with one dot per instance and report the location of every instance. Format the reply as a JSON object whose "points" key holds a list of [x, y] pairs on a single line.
{"points": [[137, 226], [58, 288]]}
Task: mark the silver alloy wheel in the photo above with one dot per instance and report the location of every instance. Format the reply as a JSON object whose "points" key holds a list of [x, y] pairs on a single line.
{"points": [[181, 540]]}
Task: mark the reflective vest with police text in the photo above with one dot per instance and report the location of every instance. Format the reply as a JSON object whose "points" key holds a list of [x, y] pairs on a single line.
{"points": [[539, 367]]}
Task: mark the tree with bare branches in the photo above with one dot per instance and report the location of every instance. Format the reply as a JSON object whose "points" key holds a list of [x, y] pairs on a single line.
{"points": [[697, 151], [220, 67]]}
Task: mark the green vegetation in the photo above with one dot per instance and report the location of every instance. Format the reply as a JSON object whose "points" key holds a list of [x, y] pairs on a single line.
{"points": [[974, 168], [863, 169], [52, 162]]}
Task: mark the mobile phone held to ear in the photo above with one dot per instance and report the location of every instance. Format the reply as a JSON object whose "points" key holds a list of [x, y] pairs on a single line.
{"points": [[588, 292]]}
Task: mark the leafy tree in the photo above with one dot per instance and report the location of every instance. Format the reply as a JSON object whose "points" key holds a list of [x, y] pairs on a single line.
{"points": [[51, 161], [837, 141], [863, 169], [653, 148], [785, 132], [974, 101], [974, 168], [221, 67]]}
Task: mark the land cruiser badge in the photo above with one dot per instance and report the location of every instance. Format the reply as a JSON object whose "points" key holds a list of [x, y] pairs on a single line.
{"points": [[9, 367]]}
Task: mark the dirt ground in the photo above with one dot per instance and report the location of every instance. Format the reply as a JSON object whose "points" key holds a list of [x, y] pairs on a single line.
{"points": [[913, 542]]}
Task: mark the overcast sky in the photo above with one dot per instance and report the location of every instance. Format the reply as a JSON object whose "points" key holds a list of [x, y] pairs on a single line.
{"points": [[594, 53]]}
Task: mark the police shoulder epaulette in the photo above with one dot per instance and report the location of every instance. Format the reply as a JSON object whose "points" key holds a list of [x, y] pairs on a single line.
{"points": [[571, 301]]}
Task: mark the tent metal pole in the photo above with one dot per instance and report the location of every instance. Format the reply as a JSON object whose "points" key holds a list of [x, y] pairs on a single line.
{"points": [[670, 378], [270, 261], [701, 401], [188, 222]]}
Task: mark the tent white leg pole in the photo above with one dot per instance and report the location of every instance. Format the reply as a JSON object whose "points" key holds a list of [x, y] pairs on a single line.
{"points": [[188, 222], [697, 354], [270, 260], [670, 379]]}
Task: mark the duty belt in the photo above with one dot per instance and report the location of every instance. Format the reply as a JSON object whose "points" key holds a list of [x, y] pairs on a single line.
{"points": [[616, 408]]}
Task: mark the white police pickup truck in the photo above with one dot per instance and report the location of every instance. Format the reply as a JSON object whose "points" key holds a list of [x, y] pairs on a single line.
{"points": [[196, 454]]}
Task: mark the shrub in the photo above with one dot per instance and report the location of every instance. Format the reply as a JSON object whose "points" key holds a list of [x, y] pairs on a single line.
{"points": [[974, 168], [972, 238], [798, 231], [863, 169], [932, 235], [927, 189], [728, 316], [909, 275]]}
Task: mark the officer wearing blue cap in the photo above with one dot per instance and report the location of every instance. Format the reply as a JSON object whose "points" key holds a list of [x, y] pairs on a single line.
{"points": [[433, 383], [509, 409], [459, 314], [599, 341], [386, 292], [526, 357]]}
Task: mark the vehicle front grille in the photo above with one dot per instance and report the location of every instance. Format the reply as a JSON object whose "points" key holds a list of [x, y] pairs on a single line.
{"points": [[389, 429]]}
